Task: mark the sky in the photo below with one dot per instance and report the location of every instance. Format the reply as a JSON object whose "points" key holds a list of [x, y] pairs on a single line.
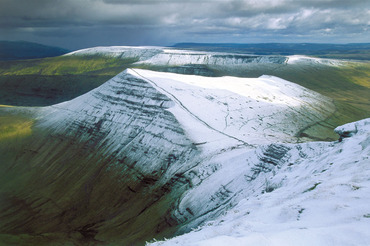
{"points": [[76, 24]]}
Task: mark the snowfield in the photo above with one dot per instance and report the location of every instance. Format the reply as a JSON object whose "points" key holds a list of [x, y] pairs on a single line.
{"points": [[318, 195]]}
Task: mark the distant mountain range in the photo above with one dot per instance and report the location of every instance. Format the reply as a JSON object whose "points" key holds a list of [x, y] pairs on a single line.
{"points": [[359, 51], [20, 50]]}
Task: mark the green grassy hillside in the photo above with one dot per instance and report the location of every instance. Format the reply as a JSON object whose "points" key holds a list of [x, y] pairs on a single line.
{"points": [[55, 191], [41, 82]]}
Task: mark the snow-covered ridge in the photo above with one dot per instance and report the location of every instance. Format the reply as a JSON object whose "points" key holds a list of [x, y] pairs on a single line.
{"points": [[161, 56], [189, 132], [291, 194], [229, 111]]}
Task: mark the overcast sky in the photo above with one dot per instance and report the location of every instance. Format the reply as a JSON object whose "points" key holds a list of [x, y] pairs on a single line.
{"points": [[75, 24]]}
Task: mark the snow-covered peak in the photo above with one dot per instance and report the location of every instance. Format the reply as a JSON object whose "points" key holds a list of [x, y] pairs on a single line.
{"points": [[247, 110], [223, 111]]}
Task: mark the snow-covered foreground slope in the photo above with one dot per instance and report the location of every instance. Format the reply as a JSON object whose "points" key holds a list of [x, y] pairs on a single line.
{"points": [[314, 193]]}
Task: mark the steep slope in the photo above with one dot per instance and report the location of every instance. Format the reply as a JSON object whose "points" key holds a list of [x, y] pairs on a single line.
{"points": [[107, 160], [143, 145], [304, 194]]}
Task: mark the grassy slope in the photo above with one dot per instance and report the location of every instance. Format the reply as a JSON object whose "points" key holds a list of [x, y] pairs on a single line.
{"points": [[54, 209], [56, 191], [48, 81]]}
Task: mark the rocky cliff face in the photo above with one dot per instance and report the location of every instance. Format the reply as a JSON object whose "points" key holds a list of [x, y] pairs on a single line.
{"points": [[148, 154], [177, 58]]}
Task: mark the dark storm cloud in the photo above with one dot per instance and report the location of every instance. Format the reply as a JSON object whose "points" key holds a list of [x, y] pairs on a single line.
{"points": [[41, 13], [180, 20]]}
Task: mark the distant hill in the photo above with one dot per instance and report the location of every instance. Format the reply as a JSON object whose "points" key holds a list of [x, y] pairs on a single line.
{"points": [[359, 51], [21, 50]]}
